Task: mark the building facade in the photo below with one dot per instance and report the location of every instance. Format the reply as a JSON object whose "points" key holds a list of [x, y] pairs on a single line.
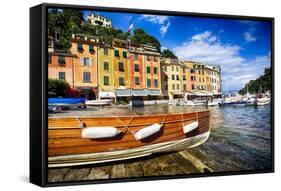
{"points": [[61, 66], [95, 19], [172, 78]]}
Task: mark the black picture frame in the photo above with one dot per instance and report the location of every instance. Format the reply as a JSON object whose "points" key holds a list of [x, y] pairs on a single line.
{"points": [[38, 92]]}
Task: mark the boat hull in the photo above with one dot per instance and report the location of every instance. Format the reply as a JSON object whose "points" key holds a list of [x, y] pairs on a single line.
{"points": [[102, 157], [67, 148]]}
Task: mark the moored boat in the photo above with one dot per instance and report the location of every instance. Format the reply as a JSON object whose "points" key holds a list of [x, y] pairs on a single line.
{"points": [[262, 101], [66, 102], [88, 140], [99, 102]]}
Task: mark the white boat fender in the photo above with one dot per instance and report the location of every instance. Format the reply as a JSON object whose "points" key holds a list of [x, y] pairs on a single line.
{"points": [[147, 131], [189, 127], [99, 132]]}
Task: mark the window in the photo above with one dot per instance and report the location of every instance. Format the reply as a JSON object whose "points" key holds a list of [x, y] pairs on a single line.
{"points": [[137, 80], [148, 70], [178, 77], [105, 51], [121, 66], [121, 81], [173, 77], [49, 59], [155, 58], [183, 78], [79, 47], [199, 79], [116, 53], [203, 72], [91, 48], [193, 78], [62, 75], [173, 86], [178, 86], [184, 87], [124, 54], [105, 65], [86, 62], [177, 68], [86, 77], [199, 72], [192, 86], [192, 71], [106, 80], [136, 56], [156, 83], [61, 60], [148, 83], [137, 68], [173, 68], [155, 70], [147, 57]]}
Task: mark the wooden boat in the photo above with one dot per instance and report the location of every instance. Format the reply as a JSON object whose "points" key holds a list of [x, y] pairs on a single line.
{"points": [[168, 132], [262, 101]]}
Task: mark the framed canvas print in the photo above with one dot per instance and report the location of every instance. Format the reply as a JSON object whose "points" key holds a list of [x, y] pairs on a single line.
{"points": [[127, 94]]}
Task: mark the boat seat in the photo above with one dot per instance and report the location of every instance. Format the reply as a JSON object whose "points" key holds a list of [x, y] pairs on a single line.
{"points": [[190, 127], [147, 131], [100, 132]]}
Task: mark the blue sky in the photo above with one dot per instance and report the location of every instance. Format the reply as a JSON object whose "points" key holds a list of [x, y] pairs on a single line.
{"points": [[240, 47]]}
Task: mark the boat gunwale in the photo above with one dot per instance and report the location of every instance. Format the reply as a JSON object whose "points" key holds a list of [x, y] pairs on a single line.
{"points": [[113, 116], [133, 125]]}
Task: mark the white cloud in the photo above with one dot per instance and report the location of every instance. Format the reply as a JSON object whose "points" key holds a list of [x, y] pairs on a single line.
{"points": [[249, 37], [236, 70], [163, 21]]}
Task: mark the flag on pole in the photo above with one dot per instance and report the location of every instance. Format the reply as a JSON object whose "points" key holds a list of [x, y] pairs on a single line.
{"points": [[131, 25]]}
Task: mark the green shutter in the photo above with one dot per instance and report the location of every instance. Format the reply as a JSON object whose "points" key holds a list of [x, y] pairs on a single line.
{"points": [[116, 53]]}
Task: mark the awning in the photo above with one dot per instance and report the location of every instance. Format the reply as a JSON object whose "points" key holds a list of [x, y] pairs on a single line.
{"points": [[177, 93], [139, 92], [107, 95], [154, 92], [123, 92]]}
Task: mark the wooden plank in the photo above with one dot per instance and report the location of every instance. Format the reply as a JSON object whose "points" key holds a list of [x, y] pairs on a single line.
{"points": [[168, 166], [196, 162], [185, 165], [151, 168], [77, 174], [134, 169], [118, 171], [101, 172], [57, 175]]}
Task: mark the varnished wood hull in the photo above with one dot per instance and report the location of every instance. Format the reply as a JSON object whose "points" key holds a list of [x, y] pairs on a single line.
{"points": [[67, 148]]}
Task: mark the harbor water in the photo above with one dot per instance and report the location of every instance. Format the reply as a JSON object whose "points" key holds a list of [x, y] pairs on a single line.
{"points": [[240, 140]]}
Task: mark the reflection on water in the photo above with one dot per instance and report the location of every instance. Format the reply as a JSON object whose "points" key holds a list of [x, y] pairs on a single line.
{"points": [[240, 137]]}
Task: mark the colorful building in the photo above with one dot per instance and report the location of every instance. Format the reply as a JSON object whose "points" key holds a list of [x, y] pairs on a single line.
{"points": [[121, 69], [173, 78], [152, 72], [85, 66], [61, 66]]}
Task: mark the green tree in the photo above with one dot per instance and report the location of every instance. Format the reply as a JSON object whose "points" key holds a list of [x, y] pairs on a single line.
{"points": [[58, 86], [259, 85], [141, 37], [166, 53]]}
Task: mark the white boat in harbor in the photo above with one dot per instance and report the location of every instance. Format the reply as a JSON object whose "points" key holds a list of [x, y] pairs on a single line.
{"points": [[262, 101], [100, 102]]}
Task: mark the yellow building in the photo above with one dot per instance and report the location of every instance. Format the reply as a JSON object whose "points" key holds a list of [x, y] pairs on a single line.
{"points": [[213, 79], [105, 60], [121, 69], [172, 86]]}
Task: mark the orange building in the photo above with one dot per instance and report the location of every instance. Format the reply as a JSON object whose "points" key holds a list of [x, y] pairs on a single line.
{"points": [[137, 68], [61, 66], [85, 66], [152, 74]]}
